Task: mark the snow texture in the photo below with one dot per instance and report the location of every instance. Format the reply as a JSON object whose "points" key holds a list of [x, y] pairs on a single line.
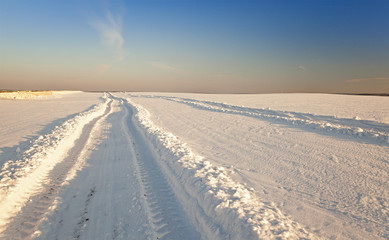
{"points": [[191, 166], [233, 210]]}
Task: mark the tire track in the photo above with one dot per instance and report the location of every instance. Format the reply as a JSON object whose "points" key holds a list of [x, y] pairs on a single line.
{"points": [[25, 224], [322, 173], [219, 207], [369, 131], [165, 213], [121, 194]]}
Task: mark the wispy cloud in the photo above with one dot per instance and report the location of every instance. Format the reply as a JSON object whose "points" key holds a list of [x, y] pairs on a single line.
{"points": [[302, 68], [165, 67], [110, 30], [369, 80]]}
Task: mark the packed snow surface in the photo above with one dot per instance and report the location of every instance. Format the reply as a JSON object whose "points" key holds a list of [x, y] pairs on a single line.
{"points": [[194, 166]]}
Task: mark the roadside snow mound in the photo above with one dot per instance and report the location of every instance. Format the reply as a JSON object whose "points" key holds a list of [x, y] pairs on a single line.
{"points": [[22, 178], [219, 207]]}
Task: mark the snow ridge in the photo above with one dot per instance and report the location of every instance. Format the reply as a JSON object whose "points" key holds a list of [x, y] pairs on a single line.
{"points": [[21, 179], [352, 127], [219, 207]]}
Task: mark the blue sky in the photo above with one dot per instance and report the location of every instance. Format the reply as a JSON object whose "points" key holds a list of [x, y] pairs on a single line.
{"points": [[196, 46]]}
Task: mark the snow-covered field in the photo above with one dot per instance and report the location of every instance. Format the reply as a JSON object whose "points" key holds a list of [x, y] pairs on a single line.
{"points": [[195, 166], [34, 94]]}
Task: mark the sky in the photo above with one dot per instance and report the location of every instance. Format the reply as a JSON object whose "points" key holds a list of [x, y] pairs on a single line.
{"points": [[208, 46]]}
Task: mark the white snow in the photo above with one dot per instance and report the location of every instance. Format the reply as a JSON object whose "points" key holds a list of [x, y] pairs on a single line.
{"points": [[18, 95], [21, 178], [194, 166], [316, 169], [373, 108], [24, 120], [236, 212]]}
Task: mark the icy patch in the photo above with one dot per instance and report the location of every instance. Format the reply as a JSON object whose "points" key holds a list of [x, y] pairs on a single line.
{"points": [[219, 207]]}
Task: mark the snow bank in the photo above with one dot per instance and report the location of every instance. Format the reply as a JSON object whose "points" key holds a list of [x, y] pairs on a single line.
{"points": [[22, 178], [219, 207]]}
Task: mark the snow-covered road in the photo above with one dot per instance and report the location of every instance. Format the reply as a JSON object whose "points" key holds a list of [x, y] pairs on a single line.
{"points": [[160, 166], [121, 194]]}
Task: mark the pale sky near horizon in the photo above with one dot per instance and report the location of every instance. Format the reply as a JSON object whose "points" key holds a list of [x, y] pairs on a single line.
{"points": [[212, 46]]}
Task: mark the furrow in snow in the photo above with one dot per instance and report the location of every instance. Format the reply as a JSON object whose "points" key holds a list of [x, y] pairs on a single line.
{"points": [[101, 201], [165, 216], [374, 131], [219, 207], [41, 204], [24, 178]]}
